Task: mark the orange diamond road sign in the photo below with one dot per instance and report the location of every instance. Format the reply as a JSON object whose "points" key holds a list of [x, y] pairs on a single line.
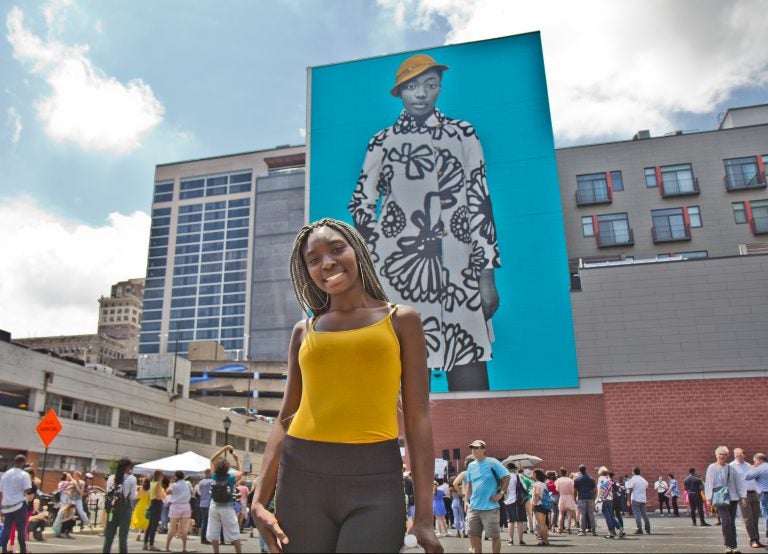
{"points": [[49, 427]]}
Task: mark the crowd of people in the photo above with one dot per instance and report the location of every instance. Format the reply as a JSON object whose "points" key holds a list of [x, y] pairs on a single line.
{"points": [[487, 497]]}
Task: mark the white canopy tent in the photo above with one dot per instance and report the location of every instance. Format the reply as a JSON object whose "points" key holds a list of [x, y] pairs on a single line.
{"points": [[192, 464]]}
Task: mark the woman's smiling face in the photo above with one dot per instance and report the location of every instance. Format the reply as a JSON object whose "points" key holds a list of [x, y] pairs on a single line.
{"points": [[331, 261], [419, 95]]}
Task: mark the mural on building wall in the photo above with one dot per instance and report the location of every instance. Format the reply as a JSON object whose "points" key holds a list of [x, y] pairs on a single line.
{"points": [[440, 209]]}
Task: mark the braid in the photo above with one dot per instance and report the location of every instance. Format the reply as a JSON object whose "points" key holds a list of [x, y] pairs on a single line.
{"points": [[310, 298]]}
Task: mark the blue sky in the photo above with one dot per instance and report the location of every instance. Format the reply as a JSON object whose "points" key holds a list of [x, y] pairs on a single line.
{"points": [[94, 94]]}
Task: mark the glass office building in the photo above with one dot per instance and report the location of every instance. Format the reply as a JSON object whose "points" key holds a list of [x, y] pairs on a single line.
{"points": [[199, 259]]}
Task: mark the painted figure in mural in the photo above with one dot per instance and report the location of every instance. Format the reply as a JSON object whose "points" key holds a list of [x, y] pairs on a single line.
{"points": [[423, 206]]}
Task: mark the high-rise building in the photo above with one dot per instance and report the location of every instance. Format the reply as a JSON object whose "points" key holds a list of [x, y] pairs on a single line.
{"points": [[219, 227], [120, 314]]}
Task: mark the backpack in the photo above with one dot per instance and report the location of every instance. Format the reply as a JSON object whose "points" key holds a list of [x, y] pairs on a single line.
{"points": [[113, 497], [546, 500], [221, 491], [520, 491]]}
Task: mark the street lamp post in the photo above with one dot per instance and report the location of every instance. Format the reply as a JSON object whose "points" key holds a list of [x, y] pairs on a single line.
{"points": [[227, 424], [177, 436]]}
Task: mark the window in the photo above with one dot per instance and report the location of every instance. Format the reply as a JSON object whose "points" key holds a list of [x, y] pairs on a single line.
{"points": [[77, 409], [650, 177], [678, 179], [739, 212], [670, 225], [193, 433], [587, 228], [613, 230], [143, 423], [617, 181], [759, 216], [694, 216], [237, 442], [743, 173]]}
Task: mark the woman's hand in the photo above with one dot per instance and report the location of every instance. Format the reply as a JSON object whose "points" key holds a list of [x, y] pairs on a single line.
{"points": [[489, 296], [425, 536], [269, 529]]}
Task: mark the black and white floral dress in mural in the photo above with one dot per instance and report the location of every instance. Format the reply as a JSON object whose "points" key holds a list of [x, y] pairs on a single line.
{"points": [[422, 204]]}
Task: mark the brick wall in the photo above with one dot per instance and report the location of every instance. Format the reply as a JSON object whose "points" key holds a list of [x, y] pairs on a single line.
{"points": [[660, 426]]}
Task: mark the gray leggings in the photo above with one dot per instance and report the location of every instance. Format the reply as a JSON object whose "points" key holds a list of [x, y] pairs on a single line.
{"points": [[335, 497]]}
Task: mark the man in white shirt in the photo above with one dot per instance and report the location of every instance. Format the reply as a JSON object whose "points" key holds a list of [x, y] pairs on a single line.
{"points": [[636, 488], [750, 506], [661, 487], [14, 485]]}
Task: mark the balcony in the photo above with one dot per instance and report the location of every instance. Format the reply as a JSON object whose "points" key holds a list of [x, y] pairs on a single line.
{"points": [[759, 225], [588, 196], [671, 233], [680, 187], [623, 237], [738, 181]]}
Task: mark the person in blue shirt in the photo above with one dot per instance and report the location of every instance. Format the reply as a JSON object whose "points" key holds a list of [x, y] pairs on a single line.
{"points": [[759, 473], [486, 479]]}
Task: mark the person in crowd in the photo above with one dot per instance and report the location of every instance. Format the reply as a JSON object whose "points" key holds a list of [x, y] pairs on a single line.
{"points": [[759, 474], [76, 495], [486, 480], [204, 491], [542, 505], [444, 485], [637, 489], [674, 493], [662, 490], [694, 486], [409, 497], [15, 484], [720, 474], [622, 495], [37, 520], [618, 494], [438, 509], [430, 225], [457, 507], [62, 489], [139, 519], [586, 489], [567, 502], [123, 484], [30, 497], [749, 505], [165, 513], [554, 495], [64, 525], [514, 504], [605, 496], [242, 496], [156, 495], [179, 511], [348, 365], [528, 484], [222, 518]]}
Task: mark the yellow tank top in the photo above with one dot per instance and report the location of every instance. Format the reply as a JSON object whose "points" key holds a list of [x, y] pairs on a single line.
{"points": [[350, 384]]}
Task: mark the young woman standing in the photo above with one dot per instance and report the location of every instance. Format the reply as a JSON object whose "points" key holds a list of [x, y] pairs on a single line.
{"points": [[339, 487]]}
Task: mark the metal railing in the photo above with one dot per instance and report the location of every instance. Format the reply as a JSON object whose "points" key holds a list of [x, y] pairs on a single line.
{"points": [[623, 237], [681, 187], [593, 195], [671, 233], [738, 181]]}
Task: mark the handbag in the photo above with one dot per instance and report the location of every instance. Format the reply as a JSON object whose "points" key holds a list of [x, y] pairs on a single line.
{"points": [[721, 497], [521, 493]]}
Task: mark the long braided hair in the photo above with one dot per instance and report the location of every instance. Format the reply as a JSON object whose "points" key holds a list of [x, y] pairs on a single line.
{"points": [[311, 299]]}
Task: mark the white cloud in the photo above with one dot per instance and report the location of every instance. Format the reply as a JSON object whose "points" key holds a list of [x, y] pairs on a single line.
{"points": [[55, 270], [616, 67], [94, 110], [15, 119]]}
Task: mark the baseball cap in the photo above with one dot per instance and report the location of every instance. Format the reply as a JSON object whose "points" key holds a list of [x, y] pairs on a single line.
{"points": [[478, 443], [89, 475]]}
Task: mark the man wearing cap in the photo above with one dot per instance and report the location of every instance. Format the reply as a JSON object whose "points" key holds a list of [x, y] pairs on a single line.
{"points": [[14, 485], [486, 478], [422, 203]]}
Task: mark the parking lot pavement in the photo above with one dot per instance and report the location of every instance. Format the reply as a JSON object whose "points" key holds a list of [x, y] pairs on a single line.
{"points": [[669, 535]]}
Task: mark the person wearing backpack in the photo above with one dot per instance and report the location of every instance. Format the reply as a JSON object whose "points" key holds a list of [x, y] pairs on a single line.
{"points": [[517, 497], [487, 480], [119, 501], [542, 505], [221, 514]]}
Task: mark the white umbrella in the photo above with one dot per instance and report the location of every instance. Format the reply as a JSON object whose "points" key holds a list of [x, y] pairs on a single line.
{"points": [[521, 460]]}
